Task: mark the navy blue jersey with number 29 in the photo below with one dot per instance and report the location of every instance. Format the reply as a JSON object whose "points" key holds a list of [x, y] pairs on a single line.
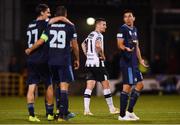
{"points": [[59, 36]]}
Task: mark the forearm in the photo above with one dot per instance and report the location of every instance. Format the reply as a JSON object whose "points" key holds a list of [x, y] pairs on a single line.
{"points": [[121, 45], [100, 52], [76, 52], [54, 19], [59, 18], [83, 48], [36, 45], [138, 52]]}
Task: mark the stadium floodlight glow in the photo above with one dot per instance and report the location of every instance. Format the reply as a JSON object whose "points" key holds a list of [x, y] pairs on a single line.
{"points": [[90, 21]]}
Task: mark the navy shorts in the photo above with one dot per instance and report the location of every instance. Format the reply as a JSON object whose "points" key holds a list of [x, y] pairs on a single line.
{"points": [[61, 73], [97, 73], [131, 75], [38, 73]]}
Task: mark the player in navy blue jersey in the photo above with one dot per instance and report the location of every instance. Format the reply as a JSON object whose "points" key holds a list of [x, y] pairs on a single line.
{"points": [[37, 62], [61, 37], [128, 43]]}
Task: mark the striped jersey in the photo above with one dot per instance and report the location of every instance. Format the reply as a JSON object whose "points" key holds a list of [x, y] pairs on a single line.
{"points": [[93, 59]]}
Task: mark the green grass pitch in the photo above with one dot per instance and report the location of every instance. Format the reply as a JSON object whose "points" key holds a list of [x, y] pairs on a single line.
{"points": [[150, 109]]}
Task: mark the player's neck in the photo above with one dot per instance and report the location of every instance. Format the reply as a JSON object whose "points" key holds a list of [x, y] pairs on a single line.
{"points": [[130, 26], [40, 18], [97, 30]]}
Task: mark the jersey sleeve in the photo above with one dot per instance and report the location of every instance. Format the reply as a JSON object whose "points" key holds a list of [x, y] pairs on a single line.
{"points": [[98, 38], [44, 35], [73, 33], [121, 33]]}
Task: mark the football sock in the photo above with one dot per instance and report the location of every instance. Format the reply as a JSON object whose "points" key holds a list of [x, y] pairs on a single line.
{"points": [[31, 109], [87, 97], [64, 103], [58, 97], [109, 100], [123, 103], [50, 109], [133, 99]]}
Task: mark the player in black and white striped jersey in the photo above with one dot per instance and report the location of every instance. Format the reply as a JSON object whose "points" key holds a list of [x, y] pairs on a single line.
{"points": [[96, 71]]}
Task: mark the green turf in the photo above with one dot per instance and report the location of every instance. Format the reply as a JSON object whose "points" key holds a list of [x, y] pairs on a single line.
{"points": [[151, 110]]}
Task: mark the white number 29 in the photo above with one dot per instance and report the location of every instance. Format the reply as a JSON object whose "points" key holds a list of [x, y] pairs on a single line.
{"points": [[58, 40]]}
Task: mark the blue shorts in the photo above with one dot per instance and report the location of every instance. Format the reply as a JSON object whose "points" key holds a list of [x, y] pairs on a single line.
{"points": [[38, 73], [131, 75], [61, 73]]}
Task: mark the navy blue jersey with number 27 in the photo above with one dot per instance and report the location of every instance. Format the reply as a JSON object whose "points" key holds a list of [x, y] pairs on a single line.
{"points": [[34, 31]]}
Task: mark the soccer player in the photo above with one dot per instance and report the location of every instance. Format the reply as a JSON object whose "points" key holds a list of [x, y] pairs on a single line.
{"points": [[96, 71], [61, 37], [127, 41], [37, 62]]}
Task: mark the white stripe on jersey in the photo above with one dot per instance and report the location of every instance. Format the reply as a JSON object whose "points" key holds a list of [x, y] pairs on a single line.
{"points": [[92, 56]]}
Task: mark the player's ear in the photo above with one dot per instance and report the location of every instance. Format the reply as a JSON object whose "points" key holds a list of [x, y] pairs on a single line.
{"points": [[134, 18], [42, 13]]}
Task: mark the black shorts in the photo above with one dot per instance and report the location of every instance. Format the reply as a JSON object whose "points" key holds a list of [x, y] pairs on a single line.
{"points": [[37, 73], [97, 73]]}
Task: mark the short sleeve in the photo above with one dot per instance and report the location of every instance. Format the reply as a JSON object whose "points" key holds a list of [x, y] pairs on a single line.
{"points": [[98, 38], [121, 33], [74, 33]]}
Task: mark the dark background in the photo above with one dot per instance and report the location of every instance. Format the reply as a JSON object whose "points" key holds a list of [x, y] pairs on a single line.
{"points": [[158, 23]]}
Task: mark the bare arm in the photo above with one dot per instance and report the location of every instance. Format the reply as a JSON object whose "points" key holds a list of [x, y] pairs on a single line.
{"points": [[138, 52], [36, 45], [99, 50], [83, 45], [120, 44], [75, 49], [60, 18]]}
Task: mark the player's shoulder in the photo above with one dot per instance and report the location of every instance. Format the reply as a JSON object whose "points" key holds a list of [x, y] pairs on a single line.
{"points": [[123, 27], [32, 24], [68, 25]]}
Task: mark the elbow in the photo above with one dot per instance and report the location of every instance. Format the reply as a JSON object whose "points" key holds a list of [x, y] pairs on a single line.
{"points": [[98, 49], [82, 45], [121, 48]]}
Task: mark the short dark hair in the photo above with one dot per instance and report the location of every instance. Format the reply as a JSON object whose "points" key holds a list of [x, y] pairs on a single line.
{"points": [[61, 11], [99, 20], [128, 11], [41, 8]]}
